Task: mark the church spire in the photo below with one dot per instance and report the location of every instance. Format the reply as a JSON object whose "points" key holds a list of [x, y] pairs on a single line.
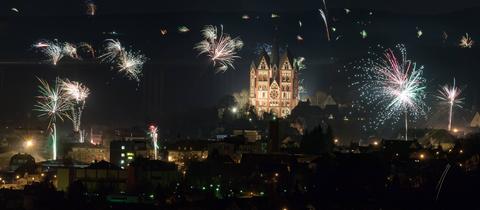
{"points": [[275, 49]]}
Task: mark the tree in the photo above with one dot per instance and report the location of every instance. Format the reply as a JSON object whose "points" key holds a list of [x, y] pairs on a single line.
{"points": [[319, 140]]}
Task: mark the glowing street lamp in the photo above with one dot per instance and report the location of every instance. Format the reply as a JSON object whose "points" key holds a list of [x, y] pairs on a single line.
{"points": [[28, 143]]}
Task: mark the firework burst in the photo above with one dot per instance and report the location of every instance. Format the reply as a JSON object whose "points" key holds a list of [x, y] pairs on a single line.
{"points": [[392, 86], [466, 42], [70, 50], [450, 95], [52, 50], [76, 93], [220, 47], [52, 103], [113, 49], [129, 63], [299, 63], [55, 50]]}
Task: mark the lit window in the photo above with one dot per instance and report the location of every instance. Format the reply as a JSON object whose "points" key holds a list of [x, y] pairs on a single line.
{"points": [[130, 158]]}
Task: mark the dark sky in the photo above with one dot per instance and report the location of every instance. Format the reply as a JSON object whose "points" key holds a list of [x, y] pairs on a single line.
{"points": [[72, 7], [177, 80]]}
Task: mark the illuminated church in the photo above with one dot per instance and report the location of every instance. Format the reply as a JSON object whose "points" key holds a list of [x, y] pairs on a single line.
{"points": [[274, 83]]}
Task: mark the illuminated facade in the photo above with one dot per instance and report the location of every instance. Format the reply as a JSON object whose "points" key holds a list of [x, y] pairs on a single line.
{"points": [[274, 83]]}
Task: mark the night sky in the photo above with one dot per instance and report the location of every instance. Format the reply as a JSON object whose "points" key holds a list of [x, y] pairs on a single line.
{"points": [[176, 79]]}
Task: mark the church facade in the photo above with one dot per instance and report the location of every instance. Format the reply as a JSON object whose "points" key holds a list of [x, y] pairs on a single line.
{"points": [[274, 83]]}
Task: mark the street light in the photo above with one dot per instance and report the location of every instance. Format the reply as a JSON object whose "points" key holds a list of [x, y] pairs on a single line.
{"points": [[234, 110], [422, 156], [28, 143]]}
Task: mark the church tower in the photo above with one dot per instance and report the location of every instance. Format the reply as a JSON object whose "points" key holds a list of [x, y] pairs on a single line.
{"points": [[274, 83]]}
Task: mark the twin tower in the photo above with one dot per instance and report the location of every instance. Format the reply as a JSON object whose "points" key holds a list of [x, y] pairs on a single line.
{"points": [[274, 83]]}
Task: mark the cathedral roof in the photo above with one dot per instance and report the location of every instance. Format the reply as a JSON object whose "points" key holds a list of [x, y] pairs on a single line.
{"points": [[265, 55]]}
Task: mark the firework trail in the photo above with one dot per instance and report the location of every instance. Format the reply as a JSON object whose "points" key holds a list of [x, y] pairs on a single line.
{"points": [[450, 95], [324, 17], [154, 135], [220, 47], [52, 103], [392, 86], [76, 93], [325, 7], [466, 42]]}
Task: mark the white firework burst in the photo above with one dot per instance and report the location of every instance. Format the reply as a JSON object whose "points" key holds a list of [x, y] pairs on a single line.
{"points": [[220, 47]]}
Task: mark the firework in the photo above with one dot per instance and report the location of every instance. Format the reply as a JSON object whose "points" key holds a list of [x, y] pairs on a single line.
{"points": [[70, 50], [444, 36], [220, 47], [131, 63], [74, 90], [55, 50], [183, 29], [87, 48], [392, 86], [324, 17], [299, 63], [91, 7], [261, 47], [302, 91], [450, 95], [466, 41], [154, 135], [163, 31], [52, 103], [113, 49], [364, 34], [76, 93], [52, 50], [419, 33]]}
